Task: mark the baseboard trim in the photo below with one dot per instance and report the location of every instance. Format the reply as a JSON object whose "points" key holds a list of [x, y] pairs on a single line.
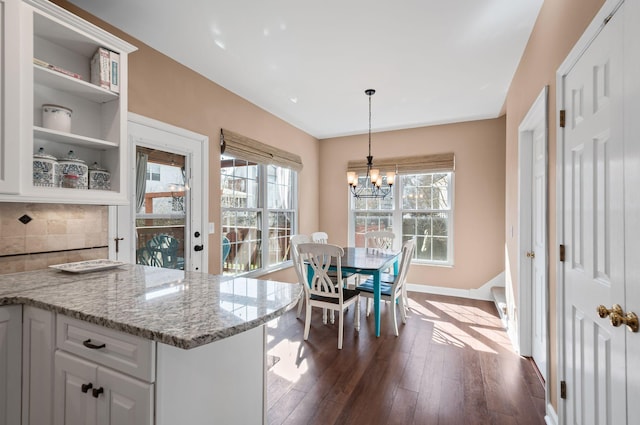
{"points": [[482, 293], [551, 418]]}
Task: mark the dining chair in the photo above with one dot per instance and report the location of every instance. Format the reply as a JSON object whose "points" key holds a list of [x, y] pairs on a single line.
{"points": [[323, 292], [164, 250], [379, 239], [320, 237], [395, 290], [299, 266], [323, 237]]}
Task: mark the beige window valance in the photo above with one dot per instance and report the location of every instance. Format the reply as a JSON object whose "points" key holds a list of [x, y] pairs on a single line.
{"points": [[237, 145], [444, 162]]}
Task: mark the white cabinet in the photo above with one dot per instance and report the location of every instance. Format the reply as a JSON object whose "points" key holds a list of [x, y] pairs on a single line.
{"points": [[53, 36], [87, 393], [38, 346], [10, 324], [102, 376], [9, 95]]}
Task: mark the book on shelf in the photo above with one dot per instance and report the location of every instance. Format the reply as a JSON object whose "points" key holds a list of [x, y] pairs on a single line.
{"points": [[100, 68], [44, 64], [114, 59]]}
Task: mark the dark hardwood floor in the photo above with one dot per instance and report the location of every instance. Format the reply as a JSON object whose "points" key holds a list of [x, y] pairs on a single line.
{"points": [[452, 364]]}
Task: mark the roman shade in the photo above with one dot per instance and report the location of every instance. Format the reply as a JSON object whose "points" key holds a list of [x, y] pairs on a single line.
{"points": [[444, 162], [239, 146]]}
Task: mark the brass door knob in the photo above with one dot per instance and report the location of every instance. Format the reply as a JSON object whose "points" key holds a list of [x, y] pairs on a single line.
{"points": [[604, 311], [531, 254], [618, 317]]}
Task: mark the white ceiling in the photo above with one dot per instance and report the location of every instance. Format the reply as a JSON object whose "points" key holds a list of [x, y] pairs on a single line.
{"points": [[430, 61]]}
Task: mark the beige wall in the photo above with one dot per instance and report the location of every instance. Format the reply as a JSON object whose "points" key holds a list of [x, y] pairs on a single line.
{"points": [[478, 193], [162, 89], [559, 25]]}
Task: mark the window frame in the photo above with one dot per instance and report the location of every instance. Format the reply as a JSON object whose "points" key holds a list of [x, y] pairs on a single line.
{"points": [[397, 213], [262, 210]]}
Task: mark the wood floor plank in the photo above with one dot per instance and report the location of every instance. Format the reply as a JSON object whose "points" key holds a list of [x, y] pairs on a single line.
{"points": [[451, 364], [403, 407]]}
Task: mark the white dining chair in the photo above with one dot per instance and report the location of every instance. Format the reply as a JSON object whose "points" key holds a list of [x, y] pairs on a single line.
{"points": [[323, 237], [320, 237], [395, 290], [323, 292], [297, 264], [379, 240]]}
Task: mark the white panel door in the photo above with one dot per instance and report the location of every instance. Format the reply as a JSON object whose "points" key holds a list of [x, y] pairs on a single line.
{"points": [[539, 246], [594, 231]]}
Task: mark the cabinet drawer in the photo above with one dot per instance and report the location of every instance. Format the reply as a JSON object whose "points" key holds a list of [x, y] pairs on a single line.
{"points": [[123, 352]]}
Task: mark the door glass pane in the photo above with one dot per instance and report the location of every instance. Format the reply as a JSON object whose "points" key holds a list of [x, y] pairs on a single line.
{"points": [[160, 220]]}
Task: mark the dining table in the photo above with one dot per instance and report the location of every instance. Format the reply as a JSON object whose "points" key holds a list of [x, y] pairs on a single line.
{"points": [[372, 262]]}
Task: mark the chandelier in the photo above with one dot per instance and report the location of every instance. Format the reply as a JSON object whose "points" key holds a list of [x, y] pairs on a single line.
{"points": [[373, 183]]}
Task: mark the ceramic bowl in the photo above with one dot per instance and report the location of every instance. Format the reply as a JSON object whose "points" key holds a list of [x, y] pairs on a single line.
{"points": [[55, 117]]}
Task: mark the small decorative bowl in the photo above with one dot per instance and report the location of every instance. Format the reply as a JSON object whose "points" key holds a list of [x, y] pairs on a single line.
{"points": [[99, 178], [56, 117], [46, 170], [74, 166]]}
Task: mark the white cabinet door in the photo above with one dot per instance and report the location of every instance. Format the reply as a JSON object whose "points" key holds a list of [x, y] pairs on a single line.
{"points": [[125, 401], [74, 403], [10, 322], [9, 97], [38, 336]]}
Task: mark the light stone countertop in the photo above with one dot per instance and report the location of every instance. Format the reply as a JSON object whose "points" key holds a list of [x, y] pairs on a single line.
{"points": [[183, 309]]}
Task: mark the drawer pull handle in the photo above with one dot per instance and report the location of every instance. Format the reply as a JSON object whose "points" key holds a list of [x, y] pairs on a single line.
{"points": [[97, 391], [88, 344], [86, 387]]}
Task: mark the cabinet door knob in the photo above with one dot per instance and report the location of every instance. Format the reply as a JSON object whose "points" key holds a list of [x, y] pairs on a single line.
{"points": [[86, 387], [87, 343], [97, 391]]}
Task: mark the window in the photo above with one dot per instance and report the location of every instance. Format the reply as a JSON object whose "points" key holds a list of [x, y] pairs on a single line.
{"points": [[419, 207], [153, 172], [259, 214]]}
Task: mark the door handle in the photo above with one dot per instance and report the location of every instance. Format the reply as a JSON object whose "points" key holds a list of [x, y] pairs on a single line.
{"points": [[198, 247], [531, 254], [618, 317], [118, 243]]}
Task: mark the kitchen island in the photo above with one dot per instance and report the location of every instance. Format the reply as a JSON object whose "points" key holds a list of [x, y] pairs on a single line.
{"points": [[192, 344]]}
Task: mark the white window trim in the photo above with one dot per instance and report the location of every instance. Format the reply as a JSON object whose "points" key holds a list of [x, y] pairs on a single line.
{"points": [[396, 214], [262, 200]]}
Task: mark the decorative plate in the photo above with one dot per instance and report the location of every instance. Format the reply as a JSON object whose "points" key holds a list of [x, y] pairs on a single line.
{"points": [[87, 266]]}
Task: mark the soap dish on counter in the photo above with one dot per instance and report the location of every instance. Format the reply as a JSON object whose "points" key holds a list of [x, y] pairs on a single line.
{"points": [[87, 266]]}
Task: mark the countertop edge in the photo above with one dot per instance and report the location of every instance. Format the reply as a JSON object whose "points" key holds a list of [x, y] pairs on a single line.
{"points": [[17, 299]]}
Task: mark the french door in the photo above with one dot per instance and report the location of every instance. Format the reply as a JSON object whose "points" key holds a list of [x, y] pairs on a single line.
{"points": [[165, 224]]}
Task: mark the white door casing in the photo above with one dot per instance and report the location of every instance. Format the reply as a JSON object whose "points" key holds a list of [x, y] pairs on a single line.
{"points": [[593, 351], [533, 249], [194, 147]]}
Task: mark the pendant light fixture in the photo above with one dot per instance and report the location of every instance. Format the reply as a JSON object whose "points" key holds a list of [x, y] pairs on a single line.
{"points": [[373, 185]]}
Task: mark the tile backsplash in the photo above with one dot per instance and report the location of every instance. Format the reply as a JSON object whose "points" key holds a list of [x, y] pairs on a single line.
{"points": [[55, 234]]}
